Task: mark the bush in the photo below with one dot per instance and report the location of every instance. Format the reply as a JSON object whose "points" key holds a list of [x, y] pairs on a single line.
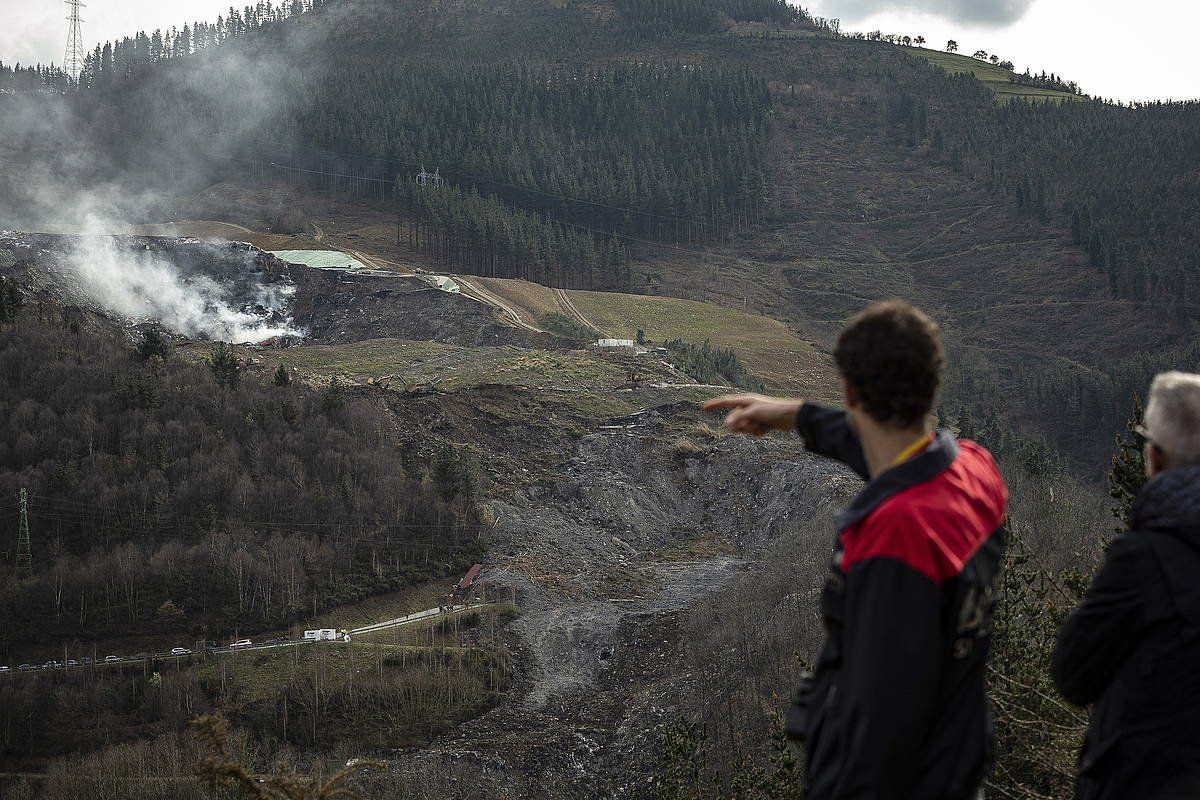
{"points": [[567, 328], [708, 364]]}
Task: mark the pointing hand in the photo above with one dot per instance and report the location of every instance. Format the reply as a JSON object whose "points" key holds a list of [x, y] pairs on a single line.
{"points": [[756, 414]]}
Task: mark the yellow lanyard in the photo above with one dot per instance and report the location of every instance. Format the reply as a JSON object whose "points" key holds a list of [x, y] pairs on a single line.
{"points": [[912, 449]]}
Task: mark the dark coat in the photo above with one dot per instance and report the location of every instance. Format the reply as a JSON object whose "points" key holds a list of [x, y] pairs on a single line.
{"points": [[1133, 648], [896, 707]]}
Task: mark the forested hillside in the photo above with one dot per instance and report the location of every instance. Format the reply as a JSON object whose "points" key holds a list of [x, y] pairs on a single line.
{"points": [[485, 236], [567, 119], [574, 138], [668, 141], [1123, 178], [172, 496], [737, 152]]}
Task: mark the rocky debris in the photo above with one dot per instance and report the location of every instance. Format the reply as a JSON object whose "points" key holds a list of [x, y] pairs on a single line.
{"points": [[604, 577], [612, 531], [331, 306], [338, 307]]}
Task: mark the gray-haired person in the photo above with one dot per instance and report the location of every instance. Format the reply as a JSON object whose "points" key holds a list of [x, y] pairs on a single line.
{"points": [[1133, 645]]}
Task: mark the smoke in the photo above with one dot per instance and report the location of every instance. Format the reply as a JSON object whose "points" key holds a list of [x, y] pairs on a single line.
{"points": [[991, 13], [140, 284], [144, 151]]}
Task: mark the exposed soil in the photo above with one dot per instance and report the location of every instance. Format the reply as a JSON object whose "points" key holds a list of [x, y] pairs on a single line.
{"points": [[608, 557], [331, 305], [610, 526]]}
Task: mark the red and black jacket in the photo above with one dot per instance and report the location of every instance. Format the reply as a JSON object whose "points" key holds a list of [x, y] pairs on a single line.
{"points": [[896, 706]]}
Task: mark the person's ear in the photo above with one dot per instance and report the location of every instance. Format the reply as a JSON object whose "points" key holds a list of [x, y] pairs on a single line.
{"points": [[1153, 458], [849, 397]]}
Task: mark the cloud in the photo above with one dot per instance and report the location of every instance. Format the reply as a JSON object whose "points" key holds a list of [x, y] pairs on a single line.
{"points": [[992, 13]]}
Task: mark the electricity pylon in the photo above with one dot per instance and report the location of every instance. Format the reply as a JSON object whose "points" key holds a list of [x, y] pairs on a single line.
{"points": [[24, 553], [76, 53]]}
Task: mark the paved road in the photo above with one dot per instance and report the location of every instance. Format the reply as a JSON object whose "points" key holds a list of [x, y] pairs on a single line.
{"points": [[398, 622]]}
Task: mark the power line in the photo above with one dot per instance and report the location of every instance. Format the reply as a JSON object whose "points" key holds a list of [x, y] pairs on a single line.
{"points": [[615, 234], [71, 511], [1039, 299], [409, 166]]}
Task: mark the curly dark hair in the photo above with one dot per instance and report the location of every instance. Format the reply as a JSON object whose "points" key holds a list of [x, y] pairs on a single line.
{"points": [[891, 356]]}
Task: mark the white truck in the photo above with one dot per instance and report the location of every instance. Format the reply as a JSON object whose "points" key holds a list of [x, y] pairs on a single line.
{"points": [[321, 635]]}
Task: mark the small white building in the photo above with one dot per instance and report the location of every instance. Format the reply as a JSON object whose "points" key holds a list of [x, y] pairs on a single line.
{"points": [[616, 343]]}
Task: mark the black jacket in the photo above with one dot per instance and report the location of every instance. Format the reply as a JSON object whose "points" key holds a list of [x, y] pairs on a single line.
{"points": [[1133, 648], [896, 707]]}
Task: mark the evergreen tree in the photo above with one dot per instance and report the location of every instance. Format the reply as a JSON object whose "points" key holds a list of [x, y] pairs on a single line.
{"points": [[11, 300], [1127, 474], [282, 376], [224, 365], [334, 397], [153, 344]]}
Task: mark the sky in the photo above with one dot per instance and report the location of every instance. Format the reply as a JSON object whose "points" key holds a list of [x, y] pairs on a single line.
{"points": [[1118, 50], [1126, 51]]}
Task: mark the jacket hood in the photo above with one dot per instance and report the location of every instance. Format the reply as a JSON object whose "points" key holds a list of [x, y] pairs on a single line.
{"points": [[1169, 503]]}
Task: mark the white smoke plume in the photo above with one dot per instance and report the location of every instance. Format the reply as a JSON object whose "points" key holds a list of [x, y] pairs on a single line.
{"points": [[143, 285]]}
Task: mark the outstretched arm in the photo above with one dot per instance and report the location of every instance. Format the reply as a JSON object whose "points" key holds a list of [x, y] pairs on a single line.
{"points": [[826, 431]]}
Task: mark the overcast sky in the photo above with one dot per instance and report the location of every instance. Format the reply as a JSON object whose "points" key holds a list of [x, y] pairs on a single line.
{"points": [[1121, 50]]}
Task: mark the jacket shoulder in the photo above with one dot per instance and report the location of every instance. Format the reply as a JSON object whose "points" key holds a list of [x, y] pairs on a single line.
{"points": [[936, 526]]}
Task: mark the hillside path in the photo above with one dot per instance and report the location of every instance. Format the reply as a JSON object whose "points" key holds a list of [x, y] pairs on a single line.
{"points": [[565, 301], [483, 295]]}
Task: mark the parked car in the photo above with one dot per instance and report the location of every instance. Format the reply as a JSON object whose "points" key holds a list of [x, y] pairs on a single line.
{"points": [[242, 643], [25, 667], [110, 659], [85, 660], [179, 651], [3, 668], [51, 665], [72, 662]]}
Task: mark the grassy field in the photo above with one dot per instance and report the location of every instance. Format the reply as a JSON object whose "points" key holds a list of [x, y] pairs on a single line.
{"points": [[769, 349], [411, 363], [996, 78], [400, 692], [531, 300], [384, 606]]}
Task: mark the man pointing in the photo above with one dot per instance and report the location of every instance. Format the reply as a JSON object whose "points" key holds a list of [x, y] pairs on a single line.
{"points": [[896, 706]]}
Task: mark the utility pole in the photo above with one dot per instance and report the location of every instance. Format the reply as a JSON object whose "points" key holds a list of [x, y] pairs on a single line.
{"points": [[76, 52], [24, 553]]}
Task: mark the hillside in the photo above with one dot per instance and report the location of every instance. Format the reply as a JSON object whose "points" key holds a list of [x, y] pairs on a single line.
{"points": [[597, 501], [1005, 84], [729, 178]]}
